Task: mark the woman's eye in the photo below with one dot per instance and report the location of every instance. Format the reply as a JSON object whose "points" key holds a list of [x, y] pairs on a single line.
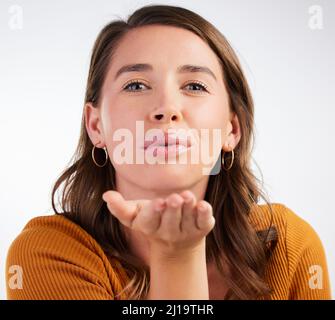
{"points": [[133, 85], [197, 85], [136, 85]]}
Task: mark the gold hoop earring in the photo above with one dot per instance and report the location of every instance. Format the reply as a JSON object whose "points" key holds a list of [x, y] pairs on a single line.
{"points": [[106, 155], [231, 162]]}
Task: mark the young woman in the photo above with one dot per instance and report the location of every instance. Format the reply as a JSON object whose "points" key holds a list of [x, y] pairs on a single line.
{"points": [[166, 231]]}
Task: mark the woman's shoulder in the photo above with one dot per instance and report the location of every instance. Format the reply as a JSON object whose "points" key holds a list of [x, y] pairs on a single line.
{"points": [[60, 260], [289, 224], [295, 232], [299, 261], [51, 230]]}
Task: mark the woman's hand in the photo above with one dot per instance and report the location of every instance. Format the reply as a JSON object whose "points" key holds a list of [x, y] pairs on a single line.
{"points": [[175, 224]]}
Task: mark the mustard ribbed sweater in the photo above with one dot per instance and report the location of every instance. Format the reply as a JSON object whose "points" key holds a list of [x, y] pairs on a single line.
{"points": [[60, 260]]}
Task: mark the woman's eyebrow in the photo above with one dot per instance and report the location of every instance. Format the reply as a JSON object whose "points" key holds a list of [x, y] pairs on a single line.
{"points": [[138, 67]]}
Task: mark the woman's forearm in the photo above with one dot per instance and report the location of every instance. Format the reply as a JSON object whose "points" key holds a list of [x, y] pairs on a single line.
{"points": [[179, 276]]}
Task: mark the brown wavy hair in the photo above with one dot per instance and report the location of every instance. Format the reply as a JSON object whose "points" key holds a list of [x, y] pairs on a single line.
{"points": [[233, 241]]}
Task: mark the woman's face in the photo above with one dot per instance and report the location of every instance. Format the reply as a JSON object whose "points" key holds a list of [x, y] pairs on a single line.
{"points": [[165, 98]]}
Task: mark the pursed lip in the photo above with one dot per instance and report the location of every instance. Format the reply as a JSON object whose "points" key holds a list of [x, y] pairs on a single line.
{"points": [[167, 139]]}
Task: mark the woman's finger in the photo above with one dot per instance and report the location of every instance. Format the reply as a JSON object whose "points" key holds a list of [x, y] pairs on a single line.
{"points": [[149, 220], [205, 218], [124, 211], [171, 217], [189, 212]]}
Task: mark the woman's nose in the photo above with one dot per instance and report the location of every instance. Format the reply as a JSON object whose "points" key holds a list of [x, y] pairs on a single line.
{"points": [[165, 115]]}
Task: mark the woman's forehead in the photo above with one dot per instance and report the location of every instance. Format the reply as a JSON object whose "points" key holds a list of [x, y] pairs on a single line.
{"points": [[164, 46]]}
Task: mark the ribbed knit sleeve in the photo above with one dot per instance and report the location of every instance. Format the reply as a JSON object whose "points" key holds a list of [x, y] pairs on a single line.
{"points": [[307, 267], [297, 269], [59, 260]]}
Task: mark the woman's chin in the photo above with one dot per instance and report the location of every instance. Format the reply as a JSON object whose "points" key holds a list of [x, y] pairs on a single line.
{"points": [[171, 175], [173, 170]]}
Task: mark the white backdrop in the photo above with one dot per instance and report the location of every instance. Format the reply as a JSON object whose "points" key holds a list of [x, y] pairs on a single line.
{"points": [[287, 55]]}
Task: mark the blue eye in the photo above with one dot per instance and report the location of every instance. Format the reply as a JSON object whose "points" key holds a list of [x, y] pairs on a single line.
{"points": [[199, 85], [132, 85]]}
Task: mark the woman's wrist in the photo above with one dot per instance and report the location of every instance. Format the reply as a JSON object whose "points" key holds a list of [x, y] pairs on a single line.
{"points": [[180, 274], [173, 253]]}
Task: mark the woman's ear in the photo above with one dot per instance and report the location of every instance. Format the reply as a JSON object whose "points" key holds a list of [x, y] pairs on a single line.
{"points": [[233, 132], [93, 124]]}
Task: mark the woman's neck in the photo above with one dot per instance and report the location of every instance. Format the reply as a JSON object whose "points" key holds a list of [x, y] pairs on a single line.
{"points": [[132, 191]]}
